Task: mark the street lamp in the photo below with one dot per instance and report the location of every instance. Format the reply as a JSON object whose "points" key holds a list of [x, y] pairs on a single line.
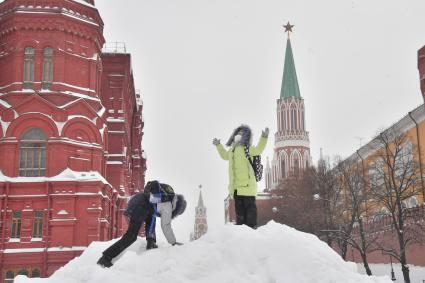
{"points": [[392, 270], [318, 197]]}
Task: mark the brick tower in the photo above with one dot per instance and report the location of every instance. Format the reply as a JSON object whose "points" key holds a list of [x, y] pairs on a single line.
{"points": [[201, 226], [292, 145]]}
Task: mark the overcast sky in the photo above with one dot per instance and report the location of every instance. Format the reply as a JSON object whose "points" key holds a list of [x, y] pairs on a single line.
{"points": [[206, 66]]}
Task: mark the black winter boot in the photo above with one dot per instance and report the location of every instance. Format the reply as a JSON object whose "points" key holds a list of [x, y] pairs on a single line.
{"points": [[151, 244], [105, 261]]}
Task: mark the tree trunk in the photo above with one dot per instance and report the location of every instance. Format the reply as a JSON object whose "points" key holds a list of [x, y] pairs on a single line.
{"points": [[366, 264], [363, 244], [405, 270], [344, 249], [401, 242]]}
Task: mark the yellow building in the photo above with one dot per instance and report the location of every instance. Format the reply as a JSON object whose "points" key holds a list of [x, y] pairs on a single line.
{"points": [[395, 158]]}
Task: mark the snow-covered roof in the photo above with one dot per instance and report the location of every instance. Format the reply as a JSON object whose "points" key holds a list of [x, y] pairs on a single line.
{"points": [[66, 175], [4, 103], [84, 3]]}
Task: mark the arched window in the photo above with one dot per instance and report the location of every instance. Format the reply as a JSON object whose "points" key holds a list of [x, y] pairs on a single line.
{"points": [[9, 276], [29, 68], [32, 152], [283, 167], [23, 272], [303, 120], [293, 121], [296, 166], [47, 68], [35, 273]]}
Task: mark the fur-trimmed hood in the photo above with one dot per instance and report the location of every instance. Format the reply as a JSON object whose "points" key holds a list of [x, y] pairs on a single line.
{"points": [[246, 136]]}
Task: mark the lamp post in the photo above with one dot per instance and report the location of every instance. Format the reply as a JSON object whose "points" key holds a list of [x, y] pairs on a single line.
{"points": [[392, 270], [327, 215]]}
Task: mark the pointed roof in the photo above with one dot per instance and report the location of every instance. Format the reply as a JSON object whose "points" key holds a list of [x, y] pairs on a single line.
{"points": [[200, 200], [290, 86]]}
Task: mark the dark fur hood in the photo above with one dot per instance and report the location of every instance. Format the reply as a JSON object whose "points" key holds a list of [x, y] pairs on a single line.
{"points": [[246, 136]]}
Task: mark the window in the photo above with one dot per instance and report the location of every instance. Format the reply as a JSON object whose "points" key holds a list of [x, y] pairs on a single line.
{"points": [[35, 273], [23, 271], [302, 121], [404, 161], [16, 225], [32, 152], [293, 121], [283, 167], [47, 68], [29, 68], [296, 167], [8, 277], [376, 174], [31, 272], [37, 231]]}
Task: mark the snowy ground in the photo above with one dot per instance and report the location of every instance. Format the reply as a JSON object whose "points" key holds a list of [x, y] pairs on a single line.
{"points": [[271, 254], [417, 273]]}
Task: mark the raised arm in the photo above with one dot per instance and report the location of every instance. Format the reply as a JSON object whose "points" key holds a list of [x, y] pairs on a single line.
{"points": [[224, 154], [257, 150]]}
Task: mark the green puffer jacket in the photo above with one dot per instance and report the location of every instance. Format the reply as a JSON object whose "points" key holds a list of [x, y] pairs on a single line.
{"points": [[241, 173]]}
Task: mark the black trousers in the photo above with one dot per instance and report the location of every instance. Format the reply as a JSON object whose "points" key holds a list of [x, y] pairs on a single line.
{"points": [[131, 235], [246, 210]]}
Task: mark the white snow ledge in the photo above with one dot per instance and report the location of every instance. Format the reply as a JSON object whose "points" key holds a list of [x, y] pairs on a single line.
{"points": [[66, 175]]}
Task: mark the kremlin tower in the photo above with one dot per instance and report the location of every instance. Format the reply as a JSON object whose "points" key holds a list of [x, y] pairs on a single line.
{"points": [[292, 145], [201, 226]]}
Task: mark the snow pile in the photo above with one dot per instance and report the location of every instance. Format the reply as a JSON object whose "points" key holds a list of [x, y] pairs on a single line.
{"points": [[272, 253]]}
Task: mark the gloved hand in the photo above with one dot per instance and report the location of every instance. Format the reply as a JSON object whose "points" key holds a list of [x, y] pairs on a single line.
{"points": [[265, 133], [216, 142], [178, 244]]}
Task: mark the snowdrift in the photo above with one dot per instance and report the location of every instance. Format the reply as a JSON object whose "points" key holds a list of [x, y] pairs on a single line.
{"points": [[271, 254]]}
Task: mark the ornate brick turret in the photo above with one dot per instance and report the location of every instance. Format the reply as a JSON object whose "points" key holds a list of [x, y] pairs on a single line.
{"points": [[292, 145], [201, 226]]}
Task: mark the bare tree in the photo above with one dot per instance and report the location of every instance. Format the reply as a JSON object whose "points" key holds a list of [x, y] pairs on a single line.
{"points": [[354, 232], [394, 179], [292, 197], [328, 194]]}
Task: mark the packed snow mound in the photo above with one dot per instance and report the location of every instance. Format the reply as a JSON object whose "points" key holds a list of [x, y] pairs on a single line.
{"points": [[271, 254]]}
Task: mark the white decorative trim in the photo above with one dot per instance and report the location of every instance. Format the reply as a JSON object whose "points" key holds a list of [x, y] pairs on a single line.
{"points": [[292, 143], [63, 212]]}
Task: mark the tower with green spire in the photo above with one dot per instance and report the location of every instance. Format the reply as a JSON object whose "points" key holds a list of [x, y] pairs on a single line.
{"points": [[292, 145], [290, 86]]}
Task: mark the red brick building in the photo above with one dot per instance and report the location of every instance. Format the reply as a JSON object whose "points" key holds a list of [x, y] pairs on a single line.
{"points": [[70, 135]]}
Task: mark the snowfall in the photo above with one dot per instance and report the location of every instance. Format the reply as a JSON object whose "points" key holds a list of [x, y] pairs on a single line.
{"points": [[273, 253]]}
